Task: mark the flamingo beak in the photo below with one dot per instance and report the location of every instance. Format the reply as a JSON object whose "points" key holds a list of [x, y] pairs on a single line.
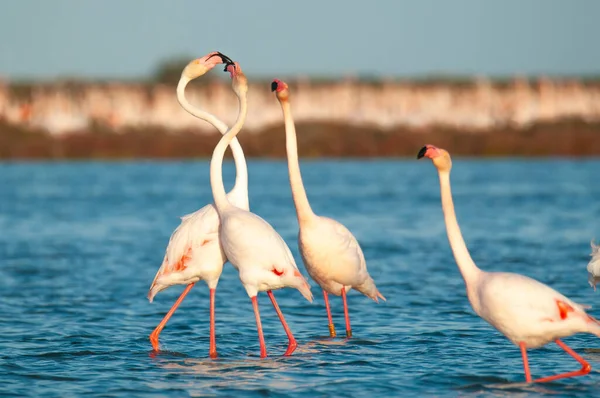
{"points": [[228, 64], [422, 152], [274, 86], [224, 58]]}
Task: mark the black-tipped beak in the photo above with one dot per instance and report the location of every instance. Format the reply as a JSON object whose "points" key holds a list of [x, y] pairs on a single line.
{"points": [[273, 86], [225, 58], [230, 62], [422, 152]]}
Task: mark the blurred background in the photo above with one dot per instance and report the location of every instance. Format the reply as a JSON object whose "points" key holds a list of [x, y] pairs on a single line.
{"points": [[97, 79]]}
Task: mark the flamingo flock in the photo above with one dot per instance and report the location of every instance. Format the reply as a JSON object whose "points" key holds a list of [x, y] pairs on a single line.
{"points": [[529, 313]]}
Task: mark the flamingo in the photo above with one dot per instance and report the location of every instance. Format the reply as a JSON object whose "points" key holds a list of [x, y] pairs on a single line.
{"points": [[255, 249], [529, 313], [331, 254], [194, 252], [593, 266]]}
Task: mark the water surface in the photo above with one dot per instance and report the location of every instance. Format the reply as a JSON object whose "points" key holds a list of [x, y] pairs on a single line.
{"points": [[80, 244]]}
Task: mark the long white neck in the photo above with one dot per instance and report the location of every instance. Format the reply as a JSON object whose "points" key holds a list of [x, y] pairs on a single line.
{"points": [[465, 263], [216, 162], [303, 209], [241, 178]]}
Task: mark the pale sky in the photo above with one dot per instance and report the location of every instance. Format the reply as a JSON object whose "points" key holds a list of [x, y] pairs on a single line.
{"points": [[128, 38]]}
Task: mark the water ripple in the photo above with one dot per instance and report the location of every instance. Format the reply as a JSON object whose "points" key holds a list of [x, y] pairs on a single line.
{"points": [[83, 241]]}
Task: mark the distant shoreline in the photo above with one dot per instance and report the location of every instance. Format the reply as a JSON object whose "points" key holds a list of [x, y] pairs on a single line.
{"points": [[566, 138]]}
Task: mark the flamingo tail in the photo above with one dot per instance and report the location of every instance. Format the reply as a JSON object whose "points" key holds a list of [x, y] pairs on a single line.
{"points": [[369, 289]]}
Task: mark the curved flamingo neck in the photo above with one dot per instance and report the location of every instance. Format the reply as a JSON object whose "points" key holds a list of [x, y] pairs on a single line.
{"points": [[241, 178], [303, 209], [216, 162], [466, 265]]}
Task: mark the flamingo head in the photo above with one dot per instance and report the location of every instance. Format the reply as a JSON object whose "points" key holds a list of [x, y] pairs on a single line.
{"points": [[281, 89], [440, 157], [200, 66], [239, 82]]}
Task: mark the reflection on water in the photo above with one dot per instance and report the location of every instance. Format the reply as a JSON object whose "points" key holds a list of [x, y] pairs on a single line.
{"points": [[81, 243]]}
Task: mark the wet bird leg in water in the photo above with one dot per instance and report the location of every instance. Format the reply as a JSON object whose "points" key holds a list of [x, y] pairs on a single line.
{"points": [[212, 352], [331, 326], [292, 341], [161, 325], [348, 328], [261, 337], [585, 367], [525, 362]]}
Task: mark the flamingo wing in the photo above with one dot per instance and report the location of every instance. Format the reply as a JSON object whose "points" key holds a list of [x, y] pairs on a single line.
{"points": [[196, 230], [345, 244]]}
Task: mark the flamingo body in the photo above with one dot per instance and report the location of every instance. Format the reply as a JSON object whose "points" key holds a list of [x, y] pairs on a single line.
{"points": [[194, 252], [333, 257], [527, 311], [262, 257]]}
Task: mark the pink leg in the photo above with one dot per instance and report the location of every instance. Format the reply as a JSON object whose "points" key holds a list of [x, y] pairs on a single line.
{"points": [[161, 325], [525, 362], [348, 328], [331, 326], [261, 338], [213, 340], [585, 366], [292, 341]]}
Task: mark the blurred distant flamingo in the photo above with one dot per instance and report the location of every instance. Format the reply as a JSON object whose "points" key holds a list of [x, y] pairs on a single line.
{"points": [[194, 252], [593, 266], [332, 255], [529, 313], [261, 256]]}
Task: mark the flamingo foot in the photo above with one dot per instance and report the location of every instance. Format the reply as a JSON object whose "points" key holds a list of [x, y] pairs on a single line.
{"points": [[213, 354], [585, 369], [263, 352], [348, 328], [291, 347], [154, 340], [332, 330]]}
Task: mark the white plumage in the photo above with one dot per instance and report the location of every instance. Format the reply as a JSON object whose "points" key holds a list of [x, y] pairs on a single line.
{"points": [[331, 254], [529, 313], [194, 252], [593, 267], [261, 256]]}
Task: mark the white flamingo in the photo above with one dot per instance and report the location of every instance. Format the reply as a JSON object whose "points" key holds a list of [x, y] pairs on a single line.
{"points": [[194, 252], [593, 266], [529, 313], [261, 256], [331, 254]]}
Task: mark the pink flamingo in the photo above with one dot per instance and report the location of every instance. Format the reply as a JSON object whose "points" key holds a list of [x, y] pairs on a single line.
{"points": [[253, 247], [529, 313], [331, 254]]}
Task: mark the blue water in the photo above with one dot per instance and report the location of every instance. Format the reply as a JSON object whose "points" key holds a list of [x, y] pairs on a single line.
{"points": [[80, 244]]}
